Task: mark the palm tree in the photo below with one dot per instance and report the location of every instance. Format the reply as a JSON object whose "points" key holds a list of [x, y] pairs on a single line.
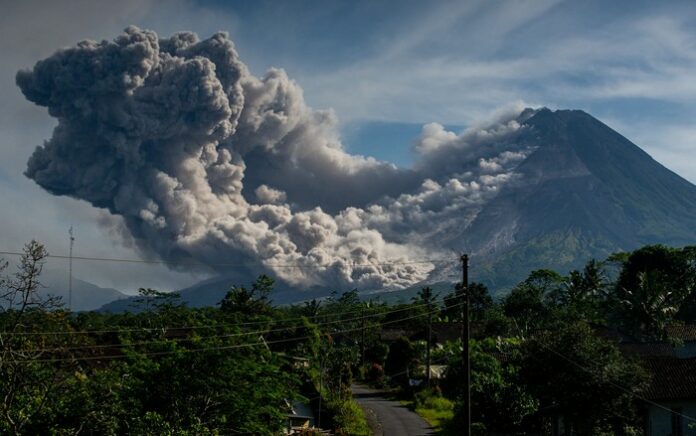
{"points": [[650, 307]]}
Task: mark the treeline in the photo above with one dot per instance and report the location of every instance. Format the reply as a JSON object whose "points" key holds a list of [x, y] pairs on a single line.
{"points": [[238, 368], [548, 349], [167, 370]]}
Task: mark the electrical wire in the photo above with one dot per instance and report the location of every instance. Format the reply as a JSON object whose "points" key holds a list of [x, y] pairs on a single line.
{"points": [[224, 347], [221, 336], [198, 327], [231, 265], [616, 385]]}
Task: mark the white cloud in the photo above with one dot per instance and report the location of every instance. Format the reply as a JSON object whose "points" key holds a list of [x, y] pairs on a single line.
{"points": [[464, 60]]}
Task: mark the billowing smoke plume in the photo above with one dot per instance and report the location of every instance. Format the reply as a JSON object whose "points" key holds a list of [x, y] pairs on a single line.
{"points": [[204, 161]]}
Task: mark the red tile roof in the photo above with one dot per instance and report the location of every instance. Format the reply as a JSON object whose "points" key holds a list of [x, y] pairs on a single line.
{"points": [[672, 378], [685, 332], [649, 349]]}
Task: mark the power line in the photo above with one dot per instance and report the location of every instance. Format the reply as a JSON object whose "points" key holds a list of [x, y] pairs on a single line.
{"points": [[616, 385], [220, 336], [199, 327], [231, 265], [223, 347]]}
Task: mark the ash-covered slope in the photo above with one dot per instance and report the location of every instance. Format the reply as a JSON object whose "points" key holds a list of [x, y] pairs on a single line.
{"points": [[586, 191]]}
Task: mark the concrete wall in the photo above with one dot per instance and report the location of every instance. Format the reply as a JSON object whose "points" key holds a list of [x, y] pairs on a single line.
{"points": [[688, 350], [660, 420]]}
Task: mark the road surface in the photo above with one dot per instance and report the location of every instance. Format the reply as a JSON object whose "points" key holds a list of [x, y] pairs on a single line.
{"points": [[387, 417]]}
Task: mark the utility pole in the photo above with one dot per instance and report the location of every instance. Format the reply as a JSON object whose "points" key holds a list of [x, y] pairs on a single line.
{"points": [[322, 364], [466, 362], [72, 242], [362, 338], [321, 388], [427, 293]]}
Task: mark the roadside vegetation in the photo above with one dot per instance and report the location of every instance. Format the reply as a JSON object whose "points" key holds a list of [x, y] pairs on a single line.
{"points": [[238, 368], [434, 408]]}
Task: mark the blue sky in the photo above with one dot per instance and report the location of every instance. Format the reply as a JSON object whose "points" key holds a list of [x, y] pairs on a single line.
{"points": [[386, 68], [386, 64]]}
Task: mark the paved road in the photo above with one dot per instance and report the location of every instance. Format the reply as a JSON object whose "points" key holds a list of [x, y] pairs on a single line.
{"points": [[389, 418]]}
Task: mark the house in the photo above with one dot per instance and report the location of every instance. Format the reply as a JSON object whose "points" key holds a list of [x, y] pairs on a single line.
{"points": [[671, 396], [441, 332], [669, 401], [685, 336]]}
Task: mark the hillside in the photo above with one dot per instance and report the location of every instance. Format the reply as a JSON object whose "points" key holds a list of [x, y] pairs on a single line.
{"points": [[586, 192], [85, 295]]}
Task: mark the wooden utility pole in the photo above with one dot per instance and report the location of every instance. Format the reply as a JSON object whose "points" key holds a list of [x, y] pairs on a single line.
{"points": [[362, 338], [466, 362], [427, 293], [321, 389]]}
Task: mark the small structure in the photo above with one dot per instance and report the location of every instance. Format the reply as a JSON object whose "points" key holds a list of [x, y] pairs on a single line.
{"points": [[300, 418], [670, 409], [442, 332], [669, 402], [437, 372], [672, 395]]}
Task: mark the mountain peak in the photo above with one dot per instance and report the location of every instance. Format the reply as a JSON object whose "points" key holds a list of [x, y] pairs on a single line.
{"points": [[558, 119], [585, 191]]}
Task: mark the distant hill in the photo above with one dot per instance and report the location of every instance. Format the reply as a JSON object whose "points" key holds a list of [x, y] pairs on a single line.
{"points": [[85, 295], [210, 292]]}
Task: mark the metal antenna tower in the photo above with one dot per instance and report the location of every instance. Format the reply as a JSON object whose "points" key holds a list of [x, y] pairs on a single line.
{"points": [[72, 242]]}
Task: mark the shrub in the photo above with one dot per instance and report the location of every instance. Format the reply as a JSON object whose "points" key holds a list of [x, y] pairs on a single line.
{"points": [[375, 375], [349, 418]]}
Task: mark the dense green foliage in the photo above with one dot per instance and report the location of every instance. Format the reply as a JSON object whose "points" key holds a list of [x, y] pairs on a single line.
{"points": [[236, 368], [167, 369], [555, 364]]}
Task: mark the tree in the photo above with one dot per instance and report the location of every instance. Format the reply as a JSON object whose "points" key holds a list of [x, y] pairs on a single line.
{"points": [[687, 311], [19, 292], [674, 265], [249, 301], [311, 308], [228, 390], [27, 385], [654, 283], [582, 378], [480, 301], [402, 358], [156, 300], [528, 302], [500, 404], [424, 297], [584, 292], [650, 305]]}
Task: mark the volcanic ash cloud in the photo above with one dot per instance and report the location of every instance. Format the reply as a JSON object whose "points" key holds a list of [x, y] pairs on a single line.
{"points": [[204, 161]]}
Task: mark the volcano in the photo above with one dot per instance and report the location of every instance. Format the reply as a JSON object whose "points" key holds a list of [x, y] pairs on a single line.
{"points": [[585, 192]]}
